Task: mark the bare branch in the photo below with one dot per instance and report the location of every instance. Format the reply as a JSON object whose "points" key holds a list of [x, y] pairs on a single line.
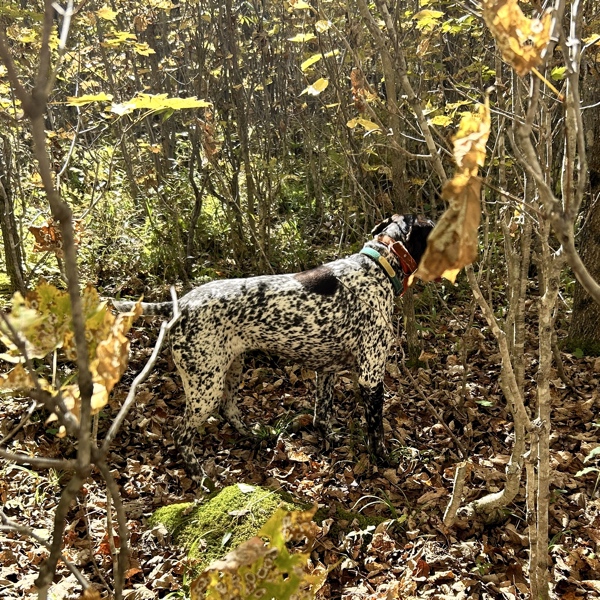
{"points": [[113, 488], [48, 568], [141, 377], [41, 463], [10, 525]]}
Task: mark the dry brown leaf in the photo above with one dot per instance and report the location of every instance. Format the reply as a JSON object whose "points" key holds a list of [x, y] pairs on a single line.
{"points": [[48, 237], [453, 242], [521, 40], [17, 379]]}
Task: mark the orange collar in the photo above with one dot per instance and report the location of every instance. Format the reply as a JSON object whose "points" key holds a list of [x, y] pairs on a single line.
{"points": [[407, 262]]}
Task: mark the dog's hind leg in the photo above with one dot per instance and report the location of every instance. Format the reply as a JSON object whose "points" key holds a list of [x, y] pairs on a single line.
{"points": [[230, 408], [204, 394], [325, 382]]}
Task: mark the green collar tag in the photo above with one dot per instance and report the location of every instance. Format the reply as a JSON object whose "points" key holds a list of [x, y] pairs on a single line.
{"points": [[385, 265]]}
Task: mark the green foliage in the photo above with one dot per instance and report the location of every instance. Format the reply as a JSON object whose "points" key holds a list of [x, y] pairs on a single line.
{"points": [[40, 324], [265, 570]]}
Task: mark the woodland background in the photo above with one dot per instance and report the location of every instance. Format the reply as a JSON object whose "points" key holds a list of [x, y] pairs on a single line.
{"points": [[195, 141]]}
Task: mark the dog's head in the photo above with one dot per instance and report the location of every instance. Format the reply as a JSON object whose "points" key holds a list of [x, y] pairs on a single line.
{"points": [[412, 231]]}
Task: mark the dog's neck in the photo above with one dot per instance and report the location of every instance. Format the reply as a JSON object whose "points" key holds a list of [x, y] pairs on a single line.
{"points": [[394, 252], [394, 258]]}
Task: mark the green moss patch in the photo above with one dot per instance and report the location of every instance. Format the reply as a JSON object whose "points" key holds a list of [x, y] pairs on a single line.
{"points": [[211, 529]]}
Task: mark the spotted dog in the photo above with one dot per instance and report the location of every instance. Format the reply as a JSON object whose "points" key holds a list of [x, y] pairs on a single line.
{"points": [[329, 318]]}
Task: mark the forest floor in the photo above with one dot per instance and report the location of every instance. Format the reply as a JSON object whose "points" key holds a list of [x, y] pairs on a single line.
{"points": [[410, 555]]}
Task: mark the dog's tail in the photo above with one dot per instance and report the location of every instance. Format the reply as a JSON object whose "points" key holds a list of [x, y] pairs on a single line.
{"points": [[164, 309]]}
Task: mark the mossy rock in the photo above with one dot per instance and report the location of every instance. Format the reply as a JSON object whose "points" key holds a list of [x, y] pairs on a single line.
{"points": [[210, 530]]}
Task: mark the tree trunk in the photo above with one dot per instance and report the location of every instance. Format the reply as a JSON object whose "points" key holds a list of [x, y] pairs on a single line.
{"points": [[8, 226], [584, 332]]}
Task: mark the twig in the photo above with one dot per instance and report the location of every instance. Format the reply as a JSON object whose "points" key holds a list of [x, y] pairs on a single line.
{"points": [[113, 493], [165, 327], [111, 534], [9, 525], [462, 469], [21, 424], [86, 520], [42, 463], [434, 412], [48, 568]]}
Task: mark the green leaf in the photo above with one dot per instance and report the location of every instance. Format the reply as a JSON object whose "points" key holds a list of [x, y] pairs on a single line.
{"points": [[578, 353], [484, 402], [586, 471], [595, 452], [558, 73]]}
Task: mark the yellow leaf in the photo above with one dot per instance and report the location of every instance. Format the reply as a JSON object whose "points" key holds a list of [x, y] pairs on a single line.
{"points": [[302, 37], [368, 125], [427, 19], [440, 120], [309, 62], [451, 274], [428, 14], [158, 102], [17, 379], [453, 242], [300, 5], [123, 109], [592, 39], [88, 99], [471, 138], [143, 49], [316, 88], [522, 41], [322, 26], [119, 37], [107, 13]]}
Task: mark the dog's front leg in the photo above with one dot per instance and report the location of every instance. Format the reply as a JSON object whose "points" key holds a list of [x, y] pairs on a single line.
{"points": [[373, 401], [185, 438]]}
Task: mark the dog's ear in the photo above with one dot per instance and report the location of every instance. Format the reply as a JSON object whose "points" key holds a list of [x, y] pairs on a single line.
{"points": [[417, 239], [403, 225], [381, 226]]}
